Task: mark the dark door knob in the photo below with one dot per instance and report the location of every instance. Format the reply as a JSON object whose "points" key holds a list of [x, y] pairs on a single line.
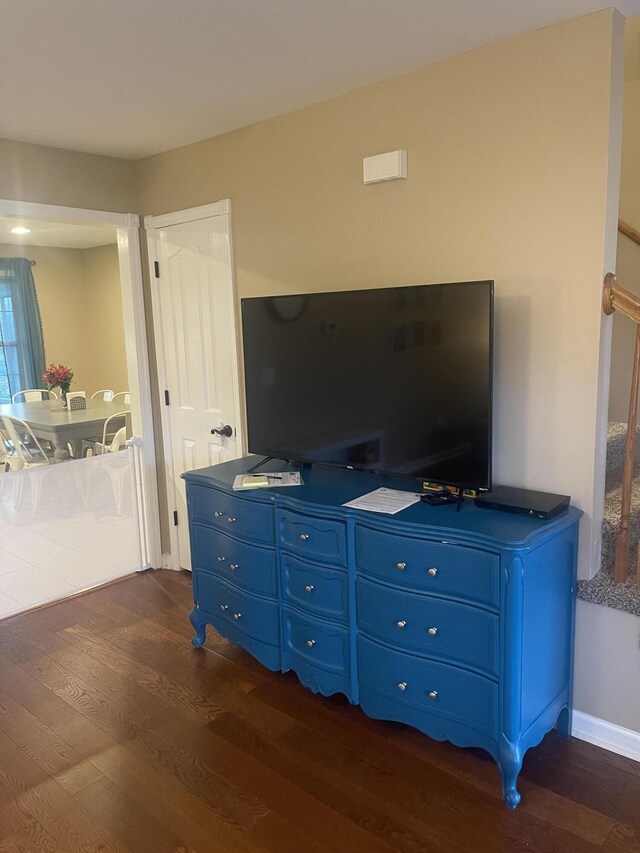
{"points": [[226, 430]]}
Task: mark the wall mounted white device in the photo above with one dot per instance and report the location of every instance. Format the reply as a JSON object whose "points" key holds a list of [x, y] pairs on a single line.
{"points": [[385, 167]]}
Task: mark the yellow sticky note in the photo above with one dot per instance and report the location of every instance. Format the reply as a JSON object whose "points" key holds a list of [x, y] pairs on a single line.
{"points": [[255, 481]]}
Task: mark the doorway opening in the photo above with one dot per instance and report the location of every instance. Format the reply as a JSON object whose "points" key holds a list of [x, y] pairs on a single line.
{"points": [[78, 497]]}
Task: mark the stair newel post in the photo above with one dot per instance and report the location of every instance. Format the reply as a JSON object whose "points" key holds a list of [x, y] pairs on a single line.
{"points": [[622, 545]]}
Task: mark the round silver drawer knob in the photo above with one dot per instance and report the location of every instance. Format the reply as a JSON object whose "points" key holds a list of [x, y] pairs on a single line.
{"points": [[217, 514], [432, 571], [402, 685], [311, 643], [224, 607], [304, 537], [236, 616], [432, 694], [402, 623], [401, 566], [221, 559], [432, 631], [308, 588], [233, 566], [231, 519]]}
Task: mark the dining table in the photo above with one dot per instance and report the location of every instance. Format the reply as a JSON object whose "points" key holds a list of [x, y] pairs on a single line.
{"points": [[50, 421]]}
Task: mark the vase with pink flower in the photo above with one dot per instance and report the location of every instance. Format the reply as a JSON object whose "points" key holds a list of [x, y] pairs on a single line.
{"points": [[58, 376]]}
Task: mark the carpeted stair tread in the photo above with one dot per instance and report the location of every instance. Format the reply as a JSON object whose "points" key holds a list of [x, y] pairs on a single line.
{"points": [[601, 589]]}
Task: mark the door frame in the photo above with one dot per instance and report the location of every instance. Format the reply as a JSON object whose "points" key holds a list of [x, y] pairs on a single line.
{"points": [[152, 225], [127, 227]]}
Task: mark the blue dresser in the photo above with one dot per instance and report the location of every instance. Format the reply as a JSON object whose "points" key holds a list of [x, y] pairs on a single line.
{"points": [[458, 623]]}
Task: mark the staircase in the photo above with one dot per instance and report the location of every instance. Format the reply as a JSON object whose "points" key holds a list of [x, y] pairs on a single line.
{"points": [[601, 589]]}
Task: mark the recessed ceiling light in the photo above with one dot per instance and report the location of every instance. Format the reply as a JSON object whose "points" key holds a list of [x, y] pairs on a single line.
{"points": [[21, 230]]}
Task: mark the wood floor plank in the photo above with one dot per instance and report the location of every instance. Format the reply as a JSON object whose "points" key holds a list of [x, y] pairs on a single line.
{"points": [[437, 800], [617, 799], [71, 826], [43, 746], [171, 804], [278, 792], [83, 697], [75, 611], [171, 691], [278, 834], [30, 839], [344, 799], [124, 691], [127, 819], [199, 673], [622, 839], [229, 803], [18, 772], [581, 755], [78, 777], [55, 713], [391, 742], [12, 819]]}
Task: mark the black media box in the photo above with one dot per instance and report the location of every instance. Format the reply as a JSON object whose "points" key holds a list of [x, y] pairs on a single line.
{"points": [[523, 501]]}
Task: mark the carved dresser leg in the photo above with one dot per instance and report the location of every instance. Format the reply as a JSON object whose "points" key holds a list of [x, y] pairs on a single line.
{"points": [[564, 724], [510, 762], [200, 628]]}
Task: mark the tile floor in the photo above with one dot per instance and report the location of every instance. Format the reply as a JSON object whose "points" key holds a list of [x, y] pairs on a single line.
{"points": [[69, 546]]}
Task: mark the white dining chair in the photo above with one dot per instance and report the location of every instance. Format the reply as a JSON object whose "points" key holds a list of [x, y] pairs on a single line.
{"points": [[109, 443], [33, 395], [25, 453], [105, 394], [22, 448], [125, 395], [76, 400]]}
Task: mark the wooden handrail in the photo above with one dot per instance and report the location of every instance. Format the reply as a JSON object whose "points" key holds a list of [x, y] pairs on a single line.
{"points": [[628, 231], [616, 298]]}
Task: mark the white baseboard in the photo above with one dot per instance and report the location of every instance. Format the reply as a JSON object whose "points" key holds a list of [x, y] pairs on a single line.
{"points": [[606, 735], [169, 563]]}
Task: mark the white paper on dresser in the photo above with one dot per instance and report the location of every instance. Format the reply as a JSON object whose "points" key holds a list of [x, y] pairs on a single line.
{"points": [[390, 501]]}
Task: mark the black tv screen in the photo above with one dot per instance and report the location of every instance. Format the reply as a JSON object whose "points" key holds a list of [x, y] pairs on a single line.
{"points": [[396, 380]]}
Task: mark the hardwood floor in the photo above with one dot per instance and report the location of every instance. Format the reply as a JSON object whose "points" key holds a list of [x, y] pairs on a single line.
{"points": [[117, 735]]}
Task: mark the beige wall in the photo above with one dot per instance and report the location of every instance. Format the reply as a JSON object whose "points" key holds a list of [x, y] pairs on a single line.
{"points": [[508, 150], [104, 318], [81, 310], [43, 175]]}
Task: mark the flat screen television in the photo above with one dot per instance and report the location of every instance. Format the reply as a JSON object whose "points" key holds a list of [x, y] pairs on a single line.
{"points": [[395, 380]]}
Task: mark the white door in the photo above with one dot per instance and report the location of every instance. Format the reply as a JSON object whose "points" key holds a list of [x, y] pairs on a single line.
{"points": [[195, 323]]}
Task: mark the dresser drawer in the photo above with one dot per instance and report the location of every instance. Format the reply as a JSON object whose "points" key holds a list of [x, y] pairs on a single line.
{"points": [[315, 538], [240, 563], [431, 687], [254, 616], [428, 625], [316, 589], [317, 642], [436, 568], [238, 516]]}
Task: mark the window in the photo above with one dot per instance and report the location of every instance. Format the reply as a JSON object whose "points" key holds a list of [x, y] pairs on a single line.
{"points": [[21, 344], [9, 371]]}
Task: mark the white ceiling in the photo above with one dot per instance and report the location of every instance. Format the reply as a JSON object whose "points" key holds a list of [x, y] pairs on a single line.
{"points": [[129, 78], [62, 235]]}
